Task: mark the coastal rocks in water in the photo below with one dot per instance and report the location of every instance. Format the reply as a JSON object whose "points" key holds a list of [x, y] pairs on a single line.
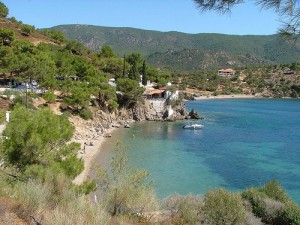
{"points": [[194, 115], [157, 110], [178, 113]]}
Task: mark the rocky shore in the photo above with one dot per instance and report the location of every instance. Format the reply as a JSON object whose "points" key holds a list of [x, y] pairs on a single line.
{"points": [[101, 127]]}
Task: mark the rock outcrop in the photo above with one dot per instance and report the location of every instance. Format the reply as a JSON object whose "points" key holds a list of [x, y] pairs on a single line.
{"points": [[154, 110], [194, 115], [148, 110]]}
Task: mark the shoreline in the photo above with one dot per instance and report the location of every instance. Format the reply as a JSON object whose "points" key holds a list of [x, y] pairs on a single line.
{"points": [[88, 153], [227, 97]]}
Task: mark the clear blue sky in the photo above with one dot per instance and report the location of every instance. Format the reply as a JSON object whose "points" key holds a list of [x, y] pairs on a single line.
{"points": [[161, 15]]}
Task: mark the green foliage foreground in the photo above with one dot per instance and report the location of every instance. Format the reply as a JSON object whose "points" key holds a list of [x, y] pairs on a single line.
{"points": [[40, 164]]}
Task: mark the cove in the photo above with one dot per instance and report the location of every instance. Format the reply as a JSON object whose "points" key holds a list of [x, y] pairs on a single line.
{"points": [[245, 143]]}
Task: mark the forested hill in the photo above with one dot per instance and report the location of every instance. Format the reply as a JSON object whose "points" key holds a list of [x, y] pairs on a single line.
{"points": [[187, 52]]}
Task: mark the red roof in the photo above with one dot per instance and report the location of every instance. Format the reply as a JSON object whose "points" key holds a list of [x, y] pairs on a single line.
{"points": [[228, 70], [156, 91]]}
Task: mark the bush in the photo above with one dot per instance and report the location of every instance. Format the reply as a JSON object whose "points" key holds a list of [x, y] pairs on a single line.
{"points": [[54, 203], [274, 191], [86, 114], [2, 116], [184, 209], [273, 211], [223, 207], [27, 29], [256, 199], [86, 187], [50, 97], [72, 166], [269, 210], [251, 219], [23, 99], [3, 10], [125, 190], [291, 214]]}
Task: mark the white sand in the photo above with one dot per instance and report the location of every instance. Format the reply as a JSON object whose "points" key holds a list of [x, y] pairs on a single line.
{"points": [[226, 96], [88, 155]]}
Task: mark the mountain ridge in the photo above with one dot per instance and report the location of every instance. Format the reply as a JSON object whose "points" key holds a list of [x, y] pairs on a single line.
{"points": [[155, 46]]}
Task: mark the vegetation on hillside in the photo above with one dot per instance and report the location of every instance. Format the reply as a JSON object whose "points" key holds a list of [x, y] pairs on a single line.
{"points": [[79, 74], [273, 81], [39, 188], [39, 161], [187, 52]]}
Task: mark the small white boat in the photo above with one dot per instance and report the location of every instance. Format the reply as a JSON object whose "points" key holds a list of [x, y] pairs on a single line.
{"points": [[193, 126]]}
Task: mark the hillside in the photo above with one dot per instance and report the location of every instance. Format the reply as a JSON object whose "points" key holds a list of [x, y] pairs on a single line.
{"points": [[34, 37], [187, 52]]}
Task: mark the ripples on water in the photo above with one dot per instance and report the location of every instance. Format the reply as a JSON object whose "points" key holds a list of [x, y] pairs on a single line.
{"points": [[245, 143]]}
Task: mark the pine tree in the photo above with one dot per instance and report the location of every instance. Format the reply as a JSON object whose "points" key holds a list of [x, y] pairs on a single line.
{"points": [[144, 73]]}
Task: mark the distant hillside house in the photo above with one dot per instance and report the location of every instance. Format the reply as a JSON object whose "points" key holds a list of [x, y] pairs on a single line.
{"points": [[226, 72]]}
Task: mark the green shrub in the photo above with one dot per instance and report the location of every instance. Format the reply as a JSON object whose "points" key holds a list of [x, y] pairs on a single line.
{"points": [[32, 195], [79, 211], [9, 92], [72, 166], [274, 191], [291, 214], [86, 114], [86, 187], [273, 211], [23, 99], [223, 207], [269, 210], [184, 209], [125, 190], [27, 29], [256, 199], [251, 219], [33, 95], [2, 116], [50, 97]]}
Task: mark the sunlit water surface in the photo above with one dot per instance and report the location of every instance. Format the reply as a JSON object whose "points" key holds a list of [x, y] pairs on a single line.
{"points": [[245, 143]]}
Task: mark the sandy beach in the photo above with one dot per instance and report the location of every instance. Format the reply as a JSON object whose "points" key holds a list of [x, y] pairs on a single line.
{"points": [[226, 96], [88, 153]]}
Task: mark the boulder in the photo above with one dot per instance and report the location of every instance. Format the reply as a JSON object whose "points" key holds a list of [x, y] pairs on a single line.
{"points": [[194, 115]]}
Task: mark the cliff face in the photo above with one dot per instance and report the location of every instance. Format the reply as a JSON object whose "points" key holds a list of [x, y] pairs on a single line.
{"points": [[154, 110], [147, 110]]}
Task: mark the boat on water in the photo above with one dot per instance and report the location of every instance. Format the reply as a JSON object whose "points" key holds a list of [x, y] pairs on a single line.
{"points": [[193, 126]]}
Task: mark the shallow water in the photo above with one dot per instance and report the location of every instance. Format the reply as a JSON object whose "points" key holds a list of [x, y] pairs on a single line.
{"points": [[245, 143]]}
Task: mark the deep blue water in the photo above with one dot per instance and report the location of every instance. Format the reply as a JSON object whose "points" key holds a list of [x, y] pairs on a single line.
{"points": [[245, 143]]}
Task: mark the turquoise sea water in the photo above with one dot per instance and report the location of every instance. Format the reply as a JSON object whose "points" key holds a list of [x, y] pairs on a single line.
{"points": [[245, 143]]}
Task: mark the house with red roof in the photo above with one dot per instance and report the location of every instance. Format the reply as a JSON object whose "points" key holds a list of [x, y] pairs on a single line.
{"points": [[226, 72]]}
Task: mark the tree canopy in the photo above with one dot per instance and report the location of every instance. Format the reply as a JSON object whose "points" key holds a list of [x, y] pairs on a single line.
{"points": [[3, 10], [288, 10], [37, 138]]}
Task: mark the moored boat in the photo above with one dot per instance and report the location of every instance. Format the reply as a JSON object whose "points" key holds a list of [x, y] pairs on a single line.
{"points": [[193, 126]]}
